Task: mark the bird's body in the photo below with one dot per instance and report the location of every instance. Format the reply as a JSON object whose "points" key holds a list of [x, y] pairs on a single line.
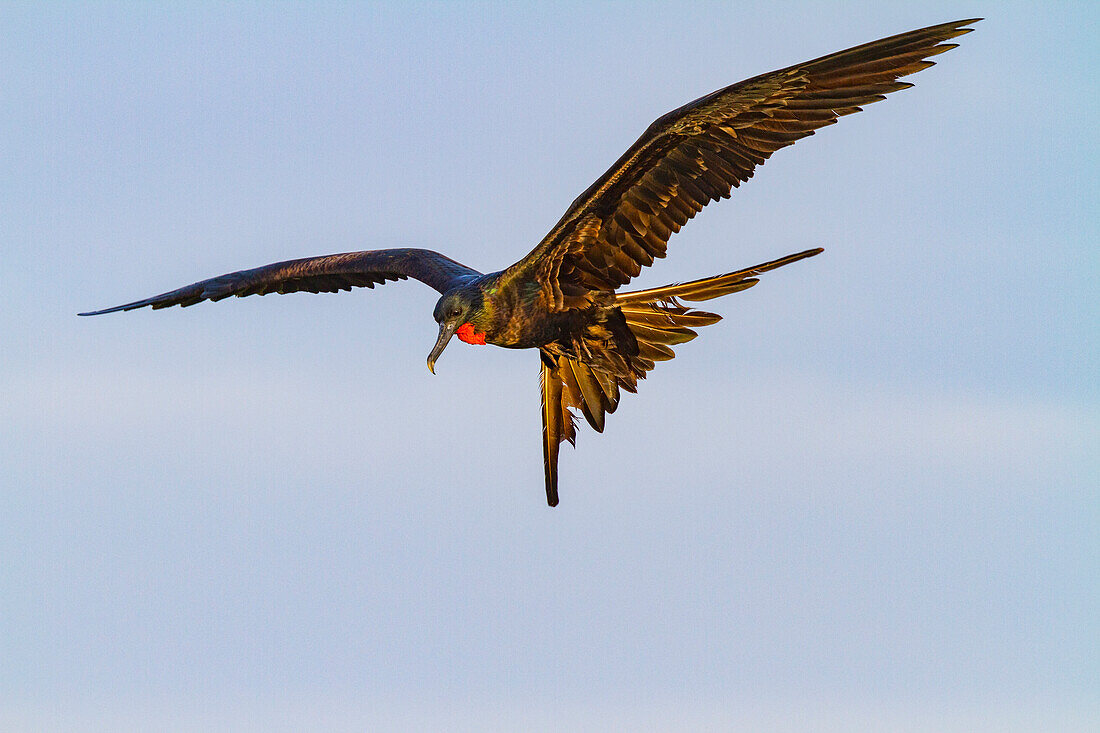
{"points": [[564, 297], [515, 315]]}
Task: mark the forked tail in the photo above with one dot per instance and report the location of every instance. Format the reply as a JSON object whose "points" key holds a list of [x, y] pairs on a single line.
{"points": [[658, 321]]}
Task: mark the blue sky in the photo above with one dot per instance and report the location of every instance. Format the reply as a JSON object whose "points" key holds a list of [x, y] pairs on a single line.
{"points": [[867, 499]]}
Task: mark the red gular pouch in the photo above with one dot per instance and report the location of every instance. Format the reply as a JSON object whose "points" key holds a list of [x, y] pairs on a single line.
{"points": [[466, 333]]}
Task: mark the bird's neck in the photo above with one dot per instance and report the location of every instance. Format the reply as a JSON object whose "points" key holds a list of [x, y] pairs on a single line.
{"points": [[468, 333]]}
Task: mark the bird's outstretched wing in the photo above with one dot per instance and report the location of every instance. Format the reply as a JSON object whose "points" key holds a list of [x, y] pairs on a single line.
{"points": [[326, 274], [699, 152]]}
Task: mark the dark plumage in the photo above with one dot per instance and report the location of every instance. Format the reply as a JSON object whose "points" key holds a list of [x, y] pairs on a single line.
{"points": [[561, 298]]}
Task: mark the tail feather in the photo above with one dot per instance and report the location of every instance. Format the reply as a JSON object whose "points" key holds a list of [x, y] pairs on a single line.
{"points": [[658, 321], [557, 425], [710, 287]]}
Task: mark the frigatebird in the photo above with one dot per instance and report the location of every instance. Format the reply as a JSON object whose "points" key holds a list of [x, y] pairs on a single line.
{"points": [[561, 297]]}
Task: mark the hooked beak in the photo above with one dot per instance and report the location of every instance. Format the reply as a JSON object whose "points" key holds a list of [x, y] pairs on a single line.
{"points": [[445, 332]]}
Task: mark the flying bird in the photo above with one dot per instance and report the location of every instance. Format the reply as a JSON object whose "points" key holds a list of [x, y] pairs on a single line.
{"points": [[563, 297]]}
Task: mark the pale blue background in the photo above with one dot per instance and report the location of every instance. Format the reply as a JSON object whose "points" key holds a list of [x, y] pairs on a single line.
{"points": [[866, 500]]}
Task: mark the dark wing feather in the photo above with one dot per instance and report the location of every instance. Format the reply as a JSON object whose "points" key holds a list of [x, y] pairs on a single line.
{"points": [[699, 152], [327, 274]]}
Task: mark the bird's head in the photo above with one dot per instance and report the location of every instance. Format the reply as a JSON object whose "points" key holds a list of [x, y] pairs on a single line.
{"points": [[459, 311]]}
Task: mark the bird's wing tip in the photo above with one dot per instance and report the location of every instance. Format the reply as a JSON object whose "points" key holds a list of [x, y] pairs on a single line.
{"points": [[105, 310], [958, 24], [961, 29]]}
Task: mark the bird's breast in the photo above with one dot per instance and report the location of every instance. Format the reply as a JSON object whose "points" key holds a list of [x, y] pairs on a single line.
{"points": [[526, 322]]}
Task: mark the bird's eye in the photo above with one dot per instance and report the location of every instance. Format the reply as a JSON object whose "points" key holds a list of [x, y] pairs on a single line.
{"points": [[456, 312]]}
